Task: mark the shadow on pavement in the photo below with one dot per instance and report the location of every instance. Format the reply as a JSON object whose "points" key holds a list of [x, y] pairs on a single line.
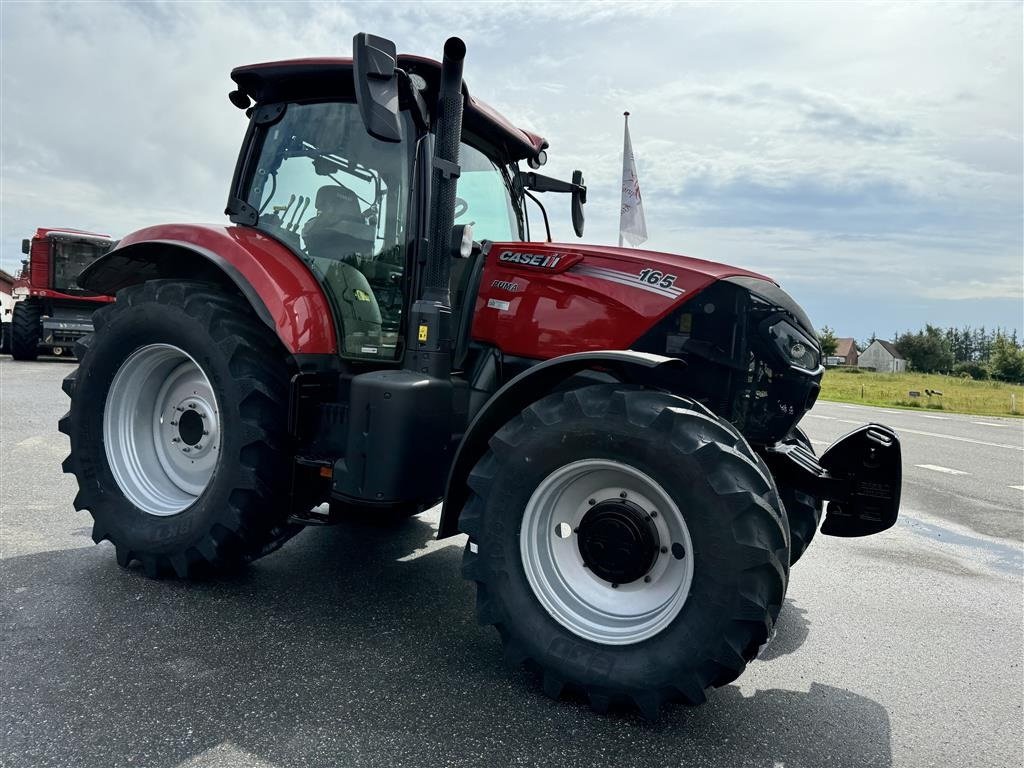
{"points": [[791, 630], [350, 646]]}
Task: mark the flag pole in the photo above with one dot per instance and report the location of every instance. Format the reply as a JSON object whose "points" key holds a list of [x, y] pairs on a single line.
{"points": [[625, 124]]}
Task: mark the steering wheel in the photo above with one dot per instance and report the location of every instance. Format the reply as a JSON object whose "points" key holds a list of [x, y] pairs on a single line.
{"points": [[461, 206]]}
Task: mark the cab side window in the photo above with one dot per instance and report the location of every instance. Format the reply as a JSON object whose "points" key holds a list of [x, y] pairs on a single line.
{"points": [[483, 198]]}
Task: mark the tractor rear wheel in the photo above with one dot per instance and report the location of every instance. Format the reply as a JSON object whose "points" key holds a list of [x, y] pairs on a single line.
{"points": [[26, 329], [803, 510], [178, 429], [626, 543]]}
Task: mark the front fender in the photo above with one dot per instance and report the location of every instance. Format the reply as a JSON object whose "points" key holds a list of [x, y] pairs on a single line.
{"points": [[529, 386], [279, 286]]}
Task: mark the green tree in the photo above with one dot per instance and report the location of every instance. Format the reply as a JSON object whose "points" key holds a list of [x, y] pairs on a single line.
{"points": [[827, 339], [928, 350], [1007, 360]]}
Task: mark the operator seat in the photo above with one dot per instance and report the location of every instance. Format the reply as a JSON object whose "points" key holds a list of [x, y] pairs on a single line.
{"points": [[336, 239], [338, 231]]}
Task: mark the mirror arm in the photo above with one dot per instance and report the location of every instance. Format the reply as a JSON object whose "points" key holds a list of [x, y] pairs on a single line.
{"points": [[540, 183]]}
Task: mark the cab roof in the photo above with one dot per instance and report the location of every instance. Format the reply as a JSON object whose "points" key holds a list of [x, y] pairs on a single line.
{"points": [[297, 79]]}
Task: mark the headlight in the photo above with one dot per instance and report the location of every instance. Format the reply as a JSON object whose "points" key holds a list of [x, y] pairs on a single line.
{"points": [[796, 348]]}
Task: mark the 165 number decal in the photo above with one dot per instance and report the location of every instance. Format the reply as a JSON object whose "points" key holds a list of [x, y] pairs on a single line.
{"points": [[657, 277]]}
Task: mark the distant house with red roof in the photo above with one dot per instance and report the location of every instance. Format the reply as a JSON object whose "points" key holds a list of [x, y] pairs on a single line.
{"points": [[847, 349]]}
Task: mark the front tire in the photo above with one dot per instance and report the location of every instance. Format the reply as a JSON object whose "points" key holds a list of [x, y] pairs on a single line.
{"points": [[178, 429], [5, 338], [661, 564], [26, 329]]}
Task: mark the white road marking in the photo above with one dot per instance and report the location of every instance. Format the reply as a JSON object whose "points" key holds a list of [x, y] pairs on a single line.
{"points": [[927, 434], [1018, 487], [960, 439], [946, 470], [987, 424], [929, 416]]}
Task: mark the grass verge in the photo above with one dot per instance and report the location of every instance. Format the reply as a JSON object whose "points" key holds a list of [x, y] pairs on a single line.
{"points": [[959, 395]]}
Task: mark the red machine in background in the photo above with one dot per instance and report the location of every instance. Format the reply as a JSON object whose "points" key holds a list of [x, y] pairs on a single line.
{"points": [[51, 310]]}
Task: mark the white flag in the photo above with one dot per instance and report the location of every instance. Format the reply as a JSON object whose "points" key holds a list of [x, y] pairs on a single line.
{"points": [[632, 226]]}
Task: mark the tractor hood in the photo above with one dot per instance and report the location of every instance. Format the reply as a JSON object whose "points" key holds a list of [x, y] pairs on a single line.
{"points": [[756, 283], [648, 275], [656, 260]]}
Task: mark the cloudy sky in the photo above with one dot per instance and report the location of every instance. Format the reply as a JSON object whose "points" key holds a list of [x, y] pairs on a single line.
{"points": [[867, 156]]}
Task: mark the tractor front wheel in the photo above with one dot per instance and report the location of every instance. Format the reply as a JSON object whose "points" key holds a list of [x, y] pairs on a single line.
{"points": [[178, 429], [26, 329], [628, 544]]}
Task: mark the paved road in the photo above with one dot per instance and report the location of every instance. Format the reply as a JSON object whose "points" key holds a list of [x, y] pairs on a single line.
{"points": [[356, 647], [967, 470]]}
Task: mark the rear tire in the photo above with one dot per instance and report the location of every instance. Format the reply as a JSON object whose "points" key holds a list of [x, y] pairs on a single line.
{"points": [[649, 639], [802, 509], [5, 338], [26, 329], [185, 486]]}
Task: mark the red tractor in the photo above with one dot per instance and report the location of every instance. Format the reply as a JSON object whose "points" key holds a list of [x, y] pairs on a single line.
{"points": [[615, 431], [52, 310]]}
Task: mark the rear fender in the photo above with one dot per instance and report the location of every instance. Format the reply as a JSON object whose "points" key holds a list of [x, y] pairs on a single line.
{"points": [[529, 386], [280, 288]]}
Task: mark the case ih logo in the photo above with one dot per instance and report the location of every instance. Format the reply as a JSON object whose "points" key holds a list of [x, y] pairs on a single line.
{"points": [[531, 259]]}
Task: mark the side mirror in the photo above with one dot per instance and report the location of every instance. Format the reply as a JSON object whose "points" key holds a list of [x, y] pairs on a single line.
{"points": [[26, 246], [579, 197], [374, 60]]}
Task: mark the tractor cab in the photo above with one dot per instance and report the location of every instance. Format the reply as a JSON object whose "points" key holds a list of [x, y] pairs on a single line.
{"points": [[352, 205]]}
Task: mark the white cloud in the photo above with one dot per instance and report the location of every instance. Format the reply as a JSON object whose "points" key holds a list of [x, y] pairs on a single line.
{"points": [[879, 145]]}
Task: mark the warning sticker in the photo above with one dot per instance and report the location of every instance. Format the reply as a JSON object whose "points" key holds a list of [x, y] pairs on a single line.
{"points": [[422, 333], [498, 304]]}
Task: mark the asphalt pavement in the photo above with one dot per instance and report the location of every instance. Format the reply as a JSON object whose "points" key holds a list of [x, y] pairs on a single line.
{"points": [[355, 646]]}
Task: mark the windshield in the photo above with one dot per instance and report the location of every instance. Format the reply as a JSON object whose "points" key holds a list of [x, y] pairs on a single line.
{"points": [[484, 199], [70, 258], [338, 197]]}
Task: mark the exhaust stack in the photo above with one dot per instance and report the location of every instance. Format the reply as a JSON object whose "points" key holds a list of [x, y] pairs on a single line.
{"points": [[430, 343]]}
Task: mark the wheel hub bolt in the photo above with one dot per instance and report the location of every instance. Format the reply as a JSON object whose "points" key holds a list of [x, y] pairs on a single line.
{"points": [[186, 449], [175, 439], [647, 579], [654, 513], [615, 586], [591, 502], [206, 432], [622, 494], [664, 550]]}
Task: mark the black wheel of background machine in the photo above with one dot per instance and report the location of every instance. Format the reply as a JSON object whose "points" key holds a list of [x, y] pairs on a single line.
{"points": [[803, 510], [700, 563], [181, 366], [25, 329], [5, 338]]}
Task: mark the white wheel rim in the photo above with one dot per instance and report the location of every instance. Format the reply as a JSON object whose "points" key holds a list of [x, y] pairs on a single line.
{"points": [[161, 429], [573, 594]]}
